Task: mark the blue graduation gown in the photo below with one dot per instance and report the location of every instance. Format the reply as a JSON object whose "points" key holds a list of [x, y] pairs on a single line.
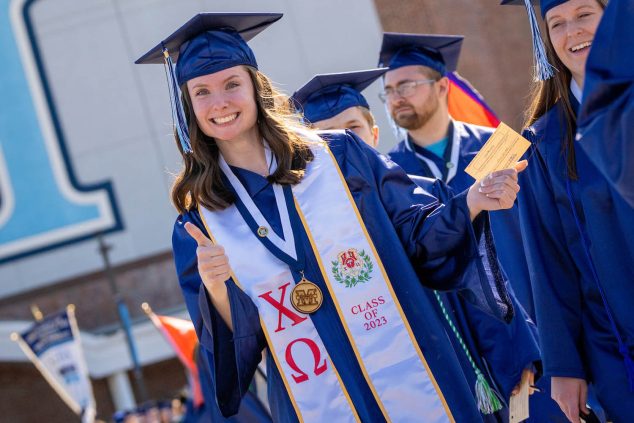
{"points": [[488, 337], [405, 223], [504, 223], [606, 118], [501, 350], [576, 336]]}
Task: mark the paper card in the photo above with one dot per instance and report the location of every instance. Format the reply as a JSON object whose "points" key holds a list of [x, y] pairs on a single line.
{"points": [[518, 405], [504, 148]]}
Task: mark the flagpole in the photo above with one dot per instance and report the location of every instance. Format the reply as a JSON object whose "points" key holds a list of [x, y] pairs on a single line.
{"points": [[37, 313], [124, 317], [89, 413]]}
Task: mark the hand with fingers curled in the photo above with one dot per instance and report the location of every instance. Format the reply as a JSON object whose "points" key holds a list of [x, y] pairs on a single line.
{"points": [[571, 395], [496, 191], [529, 376]]}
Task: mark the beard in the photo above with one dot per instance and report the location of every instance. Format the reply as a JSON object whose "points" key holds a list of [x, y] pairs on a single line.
{"points": [[414, 119]]}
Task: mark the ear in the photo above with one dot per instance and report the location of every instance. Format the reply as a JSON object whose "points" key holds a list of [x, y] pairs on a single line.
{"points": [[443, 86], [375, 136]]}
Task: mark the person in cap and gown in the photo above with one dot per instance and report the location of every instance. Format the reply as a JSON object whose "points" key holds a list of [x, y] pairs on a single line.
{"points": [[606, 116], [434, 144], [437, 146], [315, 250], [482, 344], [577, 229]]}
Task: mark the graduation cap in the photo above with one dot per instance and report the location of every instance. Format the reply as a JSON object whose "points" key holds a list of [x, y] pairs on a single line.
{"points": [[120, 416], [327, 95], [206, 44], [543, 69], [545, 5], [439, 52]]}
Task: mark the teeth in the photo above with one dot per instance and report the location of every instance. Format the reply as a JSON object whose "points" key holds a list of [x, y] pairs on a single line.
{"points": [[580, 46], [225, 119]]}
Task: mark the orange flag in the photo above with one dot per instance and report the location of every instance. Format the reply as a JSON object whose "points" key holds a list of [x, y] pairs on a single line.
{"points": [[467, 105], [181, 335]]}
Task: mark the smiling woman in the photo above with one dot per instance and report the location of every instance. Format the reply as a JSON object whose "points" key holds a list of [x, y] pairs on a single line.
{"points": [[571, 28], [569, 211], [278, 222], [213, 100], [224, 105], [571, 24]]}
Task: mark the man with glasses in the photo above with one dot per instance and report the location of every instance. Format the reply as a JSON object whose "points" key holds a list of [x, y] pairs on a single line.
{"points": [[415, 95], [436, 146], [433, 143]]}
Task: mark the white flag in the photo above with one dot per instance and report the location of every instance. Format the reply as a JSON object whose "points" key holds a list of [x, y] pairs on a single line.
{"points": [[53, 345]]}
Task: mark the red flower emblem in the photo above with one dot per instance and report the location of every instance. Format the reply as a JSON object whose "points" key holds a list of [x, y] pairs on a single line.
{"points": [[349, 258]]}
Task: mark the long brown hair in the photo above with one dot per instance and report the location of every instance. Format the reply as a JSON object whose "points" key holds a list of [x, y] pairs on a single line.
{"points": [[200, 181], [545, 94]]}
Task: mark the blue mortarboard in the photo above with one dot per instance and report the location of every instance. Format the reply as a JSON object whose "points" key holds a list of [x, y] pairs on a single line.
{"points": [[543, 69], [120, 416], [544, 5], [439, 52], [327, 95], [164, 404], [206, 44]]}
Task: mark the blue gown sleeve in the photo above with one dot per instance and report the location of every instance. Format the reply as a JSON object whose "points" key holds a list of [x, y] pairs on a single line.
{"points": [[232, 357], [553, 274], [606, 118], [508, 349], [440, 239]]}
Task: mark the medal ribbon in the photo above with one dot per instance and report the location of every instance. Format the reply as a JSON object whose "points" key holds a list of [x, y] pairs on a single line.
{"points": [[287, 245], [292, 338]]}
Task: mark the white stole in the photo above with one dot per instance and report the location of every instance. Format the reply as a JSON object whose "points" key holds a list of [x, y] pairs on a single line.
{"points": [[382, 339]]}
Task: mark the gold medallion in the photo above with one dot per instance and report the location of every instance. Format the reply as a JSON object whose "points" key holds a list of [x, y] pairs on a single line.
{"points": [[306, 297], [263, 231]]}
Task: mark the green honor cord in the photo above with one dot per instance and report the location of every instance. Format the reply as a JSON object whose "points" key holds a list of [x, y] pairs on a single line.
{"points": [[487, 398]]}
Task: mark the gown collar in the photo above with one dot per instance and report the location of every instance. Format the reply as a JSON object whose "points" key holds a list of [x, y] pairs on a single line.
{"points": [[253, 182], [450, 159], [284, 245], [575, 89]]}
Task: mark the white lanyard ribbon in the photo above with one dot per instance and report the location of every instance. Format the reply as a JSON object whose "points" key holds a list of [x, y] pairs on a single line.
{"points": [[453, 161], [312, 383], [288, 243]]}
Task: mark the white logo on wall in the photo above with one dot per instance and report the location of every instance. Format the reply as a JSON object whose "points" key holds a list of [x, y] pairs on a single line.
{"points": [[42, 205]]}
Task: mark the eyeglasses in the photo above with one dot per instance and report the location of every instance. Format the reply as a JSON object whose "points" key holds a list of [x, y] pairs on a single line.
{"points": [[405, 89]]}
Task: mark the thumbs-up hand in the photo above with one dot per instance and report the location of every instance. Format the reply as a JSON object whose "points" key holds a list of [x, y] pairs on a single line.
{"points": [[213, 264]]}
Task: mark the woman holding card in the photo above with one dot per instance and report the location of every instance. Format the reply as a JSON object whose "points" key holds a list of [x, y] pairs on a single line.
{"points": [[312, 247], [578, 231]]}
